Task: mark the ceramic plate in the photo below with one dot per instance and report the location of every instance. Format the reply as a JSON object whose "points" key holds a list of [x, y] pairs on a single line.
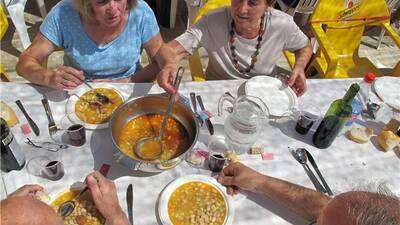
{"points": [[74, 96], [171, 187], [387, 88], [279, 98]]}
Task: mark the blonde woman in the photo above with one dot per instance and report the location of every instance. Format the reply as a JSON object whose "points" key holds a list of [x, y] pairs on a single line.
{"points": [[102, 41], [242, 41]]}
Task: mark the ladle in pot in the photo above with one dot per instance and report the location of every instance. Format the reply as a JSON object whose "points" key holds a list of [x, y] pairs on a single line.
{"points": [[154, 144]]}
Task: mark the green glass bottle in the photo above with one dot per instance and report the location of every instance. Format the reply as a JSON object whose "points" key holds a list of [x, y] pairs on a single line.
{"points": [[338, 113]]}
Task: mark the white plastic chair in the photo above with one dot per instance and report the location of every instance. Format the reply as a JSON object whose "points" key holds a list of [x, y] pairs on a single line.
{"points": [[16, 10], [303, 7], [391, 5]]}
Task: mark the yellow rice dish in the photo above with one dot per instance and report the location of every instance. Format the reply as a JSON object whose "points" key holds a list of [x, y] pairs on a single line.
{"points": [[89, 109]]}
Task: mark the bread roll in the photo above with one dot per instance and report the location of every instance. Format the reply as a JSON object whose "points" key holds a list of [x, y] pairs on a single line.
{"points": [[8, 114], [360, 134], [393, 125], [388, 140]]}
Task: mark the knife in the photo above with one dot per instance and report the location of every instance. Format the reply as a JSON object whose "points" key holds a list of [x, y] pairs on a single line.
{"points": [[32, 123], [314, 165], [208, 122], [129, 202]]}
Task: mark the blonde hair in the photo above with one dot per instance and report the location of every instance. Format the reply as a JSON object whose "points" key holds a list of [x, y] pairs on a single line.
{"points": [[85, 7]]}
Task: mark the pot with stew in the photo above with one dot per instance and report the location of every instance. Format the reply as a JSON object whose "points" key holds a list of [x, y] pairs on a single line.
{"points": [[141, 118]]}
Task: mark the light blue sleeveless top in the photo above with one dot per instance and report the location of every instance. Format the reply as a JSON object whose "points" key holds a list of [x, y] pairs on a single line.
{"points": [[118, 59]]}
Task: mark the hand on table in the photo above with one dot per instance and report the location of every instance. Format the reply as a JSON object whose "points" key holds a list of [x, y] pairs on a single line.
{"points": [[27, 190], [238, 176], [298, 81], [166, 78], [64, 77], [105, 198]]}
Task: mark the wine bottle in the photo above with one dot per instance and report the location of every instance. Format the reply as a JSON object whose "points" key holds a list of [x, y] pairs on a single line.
{"points": [[338, 113], [12, 158]]}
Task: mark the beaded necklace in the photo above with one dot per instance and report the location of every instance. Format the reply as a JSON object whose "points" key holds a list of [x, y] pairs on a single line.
{"points": [[254, 55]]}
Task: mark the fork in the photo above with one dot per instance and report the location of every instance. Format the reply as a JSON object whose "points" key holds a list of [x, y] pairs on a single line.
{"points": [[52, 125]]}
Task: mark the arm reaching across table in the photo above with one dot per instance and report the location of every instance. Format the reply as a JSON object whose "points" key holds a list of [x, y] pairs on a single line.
{"points": [[292, 196], [105, 197]]}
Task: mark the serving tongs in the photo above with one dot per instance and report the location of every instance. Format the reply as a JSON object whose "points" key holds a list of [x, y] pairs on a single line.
{"points": [[101, 97], [68, 207], [157, 140]]}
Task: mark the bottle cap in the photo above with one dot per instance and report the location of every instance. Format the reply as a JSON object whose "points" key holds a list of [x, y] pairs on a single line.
{"points": [[369, 77]]}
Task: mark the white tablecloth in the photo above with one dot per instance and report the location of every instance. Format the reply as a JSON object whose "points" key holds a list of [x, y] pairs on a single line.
{"points": [[345, 165]]}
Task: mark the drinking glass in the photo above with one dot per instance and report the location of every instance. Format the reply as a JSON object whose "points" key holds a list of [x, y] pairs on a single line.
{"points": [[218, 150], [74, 134], [48, 165]]}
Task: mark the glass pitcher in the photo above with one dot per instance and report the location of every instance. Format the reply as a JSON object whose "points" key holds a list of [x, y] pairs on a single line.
{"points": [[244, 123]]}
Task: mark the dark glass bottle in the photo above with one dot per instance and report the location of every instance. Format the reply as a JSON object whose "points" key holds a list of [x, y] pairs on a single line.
{"points": [[338, 113], [12, 158]]}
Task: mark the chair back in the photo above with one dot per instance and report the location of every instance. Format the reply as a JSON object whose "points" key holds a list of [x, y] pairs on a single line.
{"points": [[3, 29], [306, 6], [196, 68], [391, 4], [338, 27]]}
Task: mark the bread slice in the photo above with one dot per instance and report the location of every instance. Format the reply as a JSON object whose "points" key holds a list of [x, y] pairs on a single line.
{"points": [[388, 140], [360, 134], [393, 125], [8, 114]]}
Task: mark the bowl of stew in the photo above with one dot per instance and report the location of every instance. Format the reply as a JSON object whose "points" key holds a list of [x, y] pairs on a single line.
{"points": [[140, 118]]}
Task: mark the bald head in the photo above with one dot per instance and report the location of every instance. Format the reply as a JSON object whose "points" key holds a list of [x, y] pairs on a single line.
{"points": [[27, 211], [361, 208]]}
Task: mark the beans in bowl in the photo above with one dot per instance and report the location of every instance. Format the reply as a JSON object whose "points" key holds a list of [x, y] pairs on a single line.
{"points": [[197, 203]]}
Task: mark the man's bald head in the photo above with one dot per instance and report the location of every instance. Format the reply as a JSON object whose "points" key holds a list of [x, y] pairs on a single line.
{"points": [[27, 211], [361, 208]]}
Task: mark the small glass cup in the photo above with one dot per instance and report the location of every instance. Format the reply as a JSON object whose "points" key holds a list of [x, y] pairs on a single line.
{"points": [[216, 162], [74, 134], [47, 165], [218, 151], [305, 118]]}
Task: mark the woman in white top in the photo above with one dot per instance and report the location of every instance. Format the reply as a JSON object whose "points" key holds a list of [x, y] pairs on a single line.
{"points": [[242, 41]]}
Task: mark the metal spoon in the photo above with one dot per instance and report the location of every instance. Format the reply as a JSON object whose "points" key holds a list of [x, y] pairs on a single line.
{"points": [[301, 156], [156, 142], [68, 207], [101, 97]]}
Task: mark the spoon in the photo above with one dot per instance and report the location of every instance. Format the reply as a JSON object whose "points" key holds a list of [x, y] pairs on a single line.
{"points": [[68, 207], [301, 156], [101, 97], [151, 143]]}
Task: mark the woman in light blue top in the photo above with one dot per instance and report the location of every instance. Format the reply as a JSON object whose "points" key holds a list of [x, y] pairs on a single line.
{"points": [[102, 41]]}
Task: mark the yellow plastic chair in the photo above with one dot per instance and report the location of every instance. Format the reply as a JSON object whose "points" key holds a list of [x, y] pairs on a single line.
{"points": [[339, 32], [195, 66], [3, 28]]}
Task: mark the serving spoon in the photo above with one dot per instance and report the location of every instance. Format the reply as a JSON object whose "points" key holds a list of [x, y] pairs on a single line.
{"points": [[156, 142]]}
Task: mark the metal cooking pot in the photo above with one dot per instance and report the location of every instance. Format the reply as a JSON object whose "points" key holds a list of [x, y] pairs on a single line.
{"points": [[151, 104]]}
